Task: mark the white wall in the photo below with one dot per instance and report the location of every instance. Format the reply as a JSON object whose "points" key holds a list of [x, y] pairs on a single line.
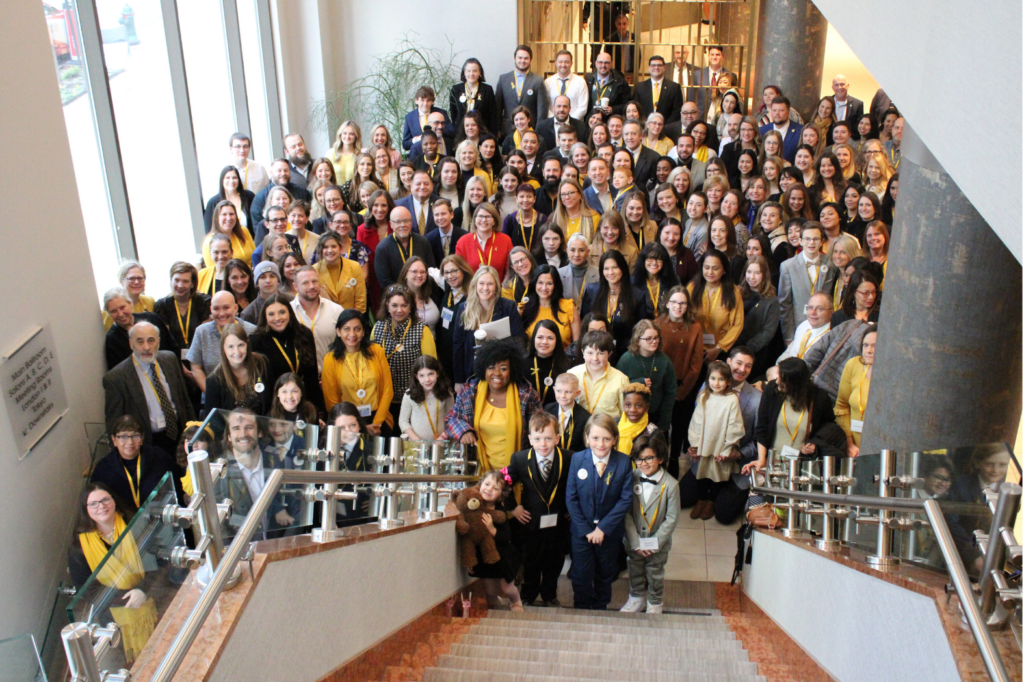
{"points": [[46, 277], [323, 44], [953, 68]]}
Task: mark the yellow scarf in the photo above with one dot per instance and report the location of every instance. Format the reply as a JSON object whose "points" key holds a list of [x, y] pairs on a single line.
{"points": [[701, 154], [519, 138], [123, 568], [628, 431], [514, 412]]}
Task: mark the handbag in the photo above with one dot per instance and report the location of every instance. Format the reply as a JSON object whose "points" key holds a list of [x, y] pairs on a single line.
{"points": [[763, 516]]}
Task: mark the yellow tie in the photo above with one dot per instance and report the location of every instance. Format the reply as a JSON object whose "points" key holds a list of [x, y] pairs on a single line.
{"points": [[657, 94], [422, 220], [803, 344], [600, 468]]}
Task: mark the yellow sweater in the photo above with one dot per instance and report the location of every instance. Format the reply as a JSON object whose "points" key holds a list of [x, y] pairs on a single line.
{"points": [[852, 399]]}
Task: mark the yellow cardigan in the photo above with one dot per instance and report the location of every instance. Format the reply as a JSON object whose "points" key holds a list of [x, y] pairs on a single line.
{"points": [[240, 248], [339, 385], [724, 324], [206, 279], [350, 292], [145, 305], [853, 386]]}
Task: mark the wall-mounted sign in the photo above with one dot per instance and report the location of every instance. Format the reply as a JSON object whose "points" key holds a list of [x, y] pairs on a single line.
{"points": [[33, 388]]}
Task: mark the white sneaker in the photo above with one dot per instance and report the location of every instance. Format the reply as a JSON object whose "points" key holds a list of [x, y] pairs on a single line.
{"points": [[653, 608], [634, 605]]}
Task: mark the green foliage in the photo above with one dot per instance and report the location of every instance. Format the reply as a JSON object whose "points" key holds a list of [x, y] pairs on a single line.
{"points": [[385, 94], [71, 72]]}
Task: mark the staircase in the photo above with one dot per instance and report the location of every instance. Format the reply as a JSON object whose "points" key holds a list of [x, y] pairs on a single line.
{"points": [[556, 645]]}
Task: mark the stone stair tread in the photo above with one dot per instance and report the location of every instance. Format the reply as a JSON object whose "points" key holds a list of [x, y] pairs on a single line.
{"points": [[646, 652], [678, 614], [653, 621], [662, 638], [716, 628], [583, 671], [464, 675], [509, 659]]}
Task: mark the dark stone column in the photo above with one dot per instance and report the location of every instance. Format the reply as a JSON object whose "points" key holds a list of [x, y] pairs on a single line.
{"points": [[791, 51], [948, 361]]}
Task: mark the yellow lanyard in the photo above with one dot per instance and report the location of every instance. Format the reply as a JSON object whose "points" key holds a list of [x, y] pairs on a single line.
{"points": [[792, 434], [530, 472], [522, 299], [138, 477], [434, 431], [639, 240], [401, 252], [864, 381], [401, 342], [813, 282], [591, 406], [188, 321], [515, 84], [837, 295], [583, 286], [536, 374], [655, 294], [567, 432], [657, 507], [146, 374], [533, 228], [604, 89], [293, 368], [803, 344], [312, 327], [490, 251], [245, 178], [356, 373]]}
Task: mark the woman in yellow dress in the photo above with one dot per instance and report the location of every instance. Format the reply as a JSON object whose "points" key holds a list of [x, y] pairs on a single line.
{"points": [[356, 371], [854, 386], [225, 221], [347, 144]]}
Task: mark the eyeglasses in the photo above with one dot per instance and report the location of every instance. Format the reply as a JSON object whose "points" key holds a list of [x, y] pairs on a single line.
{"points": [[815, 308], [650, 339], [96, 504], [449, 273], [404, 221], [277, 220], [566, 195], [677, 303], [128, 437], [645, 460], [135, 279]]}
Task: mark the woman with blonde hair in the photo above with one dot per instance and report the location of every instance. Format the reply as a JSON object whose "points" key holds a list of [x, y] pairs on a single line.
{"points": [[484, 244], [483, 304], [322, 169], [380, 136], [572, 213], [876, 175], [845, 154], [468, 156], [679, 177], [477, 189], [715, 188], [771, 171], [225, 221], [845, 248], [612, 235], [347, 144], [385, 174], [641, 229], [317, 209]]}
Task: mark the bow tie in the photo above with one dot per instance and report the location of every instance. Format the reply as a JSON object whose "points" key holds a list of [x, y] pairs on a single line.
{"points": [[648, 480]]}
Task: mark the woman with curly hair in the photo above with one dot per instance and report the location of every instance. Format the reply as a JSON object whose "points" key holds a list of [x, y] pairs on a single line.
{"points": [[493, 409]]}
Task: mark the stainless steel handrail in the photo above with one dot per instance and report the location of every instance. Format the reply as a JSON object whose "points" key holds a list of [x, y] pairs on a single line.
{"points": [[190, 630], [961, 582]]}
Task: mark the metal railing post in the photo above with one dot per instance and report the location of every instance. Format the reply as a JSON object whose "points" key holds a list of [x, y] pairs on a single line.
{"points": [[85, 646], [995, 552], [828, 541], [882, 558], [328, 529], [437, 450], [793, 529], [209, 516], [391, 492]]}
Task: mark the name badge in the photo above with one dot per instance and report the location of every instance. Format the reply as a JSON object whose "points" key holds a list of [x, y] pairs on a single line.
{"points": [[549, 521], [184, 353], [364, 411], [446, 317], [709, 339], [649, 544], [582, 473], [789, 452], [857, 425]]}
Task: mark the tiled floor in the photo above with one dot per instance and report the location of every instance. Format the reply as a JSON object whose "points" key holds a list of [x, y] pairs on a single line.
{"points": [[702, 550]]}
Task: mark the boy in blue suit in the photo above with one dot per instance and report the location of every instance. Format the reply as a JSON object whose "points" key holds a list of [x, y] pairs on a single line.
{"points": [[599, 494]]}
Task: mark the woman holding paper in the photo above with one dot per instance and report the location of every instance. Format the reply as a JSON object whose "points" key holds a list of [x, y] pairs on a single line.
{"points": [[486, 314]]}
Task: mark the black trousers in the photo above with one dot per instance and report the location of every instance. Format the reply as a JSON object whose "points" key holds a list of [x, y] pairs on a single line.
{"points": [[543, 558], [729, 499]]}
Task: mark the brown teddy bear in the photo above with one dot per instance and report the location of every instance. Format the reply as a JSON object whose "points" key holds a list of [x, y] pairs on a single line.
{"points": [[469, 505]]}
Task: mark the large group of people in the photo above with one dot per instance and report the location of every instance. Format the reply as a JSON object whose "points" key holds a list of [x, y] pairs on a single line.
{"points": [[561, 273]]}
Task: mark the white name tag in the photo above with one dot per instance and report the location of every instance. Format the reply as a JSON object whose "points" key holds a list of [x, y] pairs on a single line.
{"points": [[856, 425], [184, 353], [365, 411], [709, 339], [446, 317], [789, 452], [649, 544], [549, 521]]}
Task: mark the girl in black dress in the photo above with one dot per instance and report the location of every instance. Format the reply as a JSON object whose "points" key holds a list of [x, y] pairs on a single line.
{"points": [[498, 577]]}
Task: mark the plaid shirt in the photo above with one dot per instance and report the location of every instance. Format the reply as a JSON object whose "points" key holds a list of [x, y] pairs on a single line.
{"points": [[460, 420]]}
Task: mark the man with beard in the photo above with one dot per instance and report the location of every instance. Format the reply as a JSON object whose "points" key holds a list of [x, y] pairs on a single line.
{"points": [[280, 176], [549, 128], [299, 159], [547, 192]]}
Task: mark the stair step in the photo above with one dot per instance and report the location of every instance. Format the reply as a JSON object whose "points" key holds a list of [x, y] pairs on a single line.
{"points": [[508, 659], [646, 651], [665, 638], [718, 628], [498, 670], [675, 614], [642, 620]]}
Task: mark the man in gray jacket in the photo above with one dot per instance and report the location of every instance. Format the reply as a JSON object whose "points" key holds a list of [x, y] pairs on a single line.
{"points": [[521, 87], [827, 358]]}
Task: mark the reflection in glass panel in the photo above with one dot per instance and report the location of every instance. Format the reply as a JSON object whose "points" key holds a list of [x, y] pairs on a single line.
{"points": [[19, 660], [140, 88], [79, 118]]}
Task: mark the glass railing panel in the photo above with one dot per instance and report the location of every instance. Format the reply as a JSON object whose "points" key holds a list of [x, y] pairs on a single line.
{"points": [[20, 661], [134, 583]]}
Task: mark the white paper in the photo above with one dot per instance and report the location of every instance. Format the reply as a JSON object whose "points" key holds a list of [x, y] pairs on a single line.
{"points": [[446, 317], [856, 425], [549, 520], [789, 452], [709, 339], [499, 329], [649, 544]]}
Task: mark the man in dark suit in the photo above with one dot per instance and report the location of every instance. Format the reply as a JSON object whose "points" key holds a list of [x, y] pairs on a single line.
{"points": [[570, 416], [548, 128], [149, 386], [659, 93], [280, 176], [398, 246], [848, 108], [619, 45], [604, 83], [412, 128], [418, 202], [683, 73], [709, 75], [117, 347], [644, 159], [520, 87], [543, 471], [445, 236], [789, 129]]}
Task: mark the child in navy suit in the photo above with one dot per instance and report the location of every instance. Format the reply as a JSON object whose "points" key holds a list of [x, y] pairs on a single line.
{"points": [[599, 494]]}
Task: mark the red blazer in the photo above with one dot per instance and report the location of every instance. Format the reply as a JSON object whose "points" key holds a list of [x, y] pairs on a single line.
{"points": [[495, 252]]}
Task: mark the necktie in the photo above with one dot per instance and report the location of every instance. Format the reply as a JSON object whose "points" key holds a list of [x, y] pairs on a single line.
{"points": [[170, 416], [714, 79], [601, 466], [444, 245], [565, 421], [657, 94], [422, 219], [803, 345], [545, 467], [562, 91]]}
